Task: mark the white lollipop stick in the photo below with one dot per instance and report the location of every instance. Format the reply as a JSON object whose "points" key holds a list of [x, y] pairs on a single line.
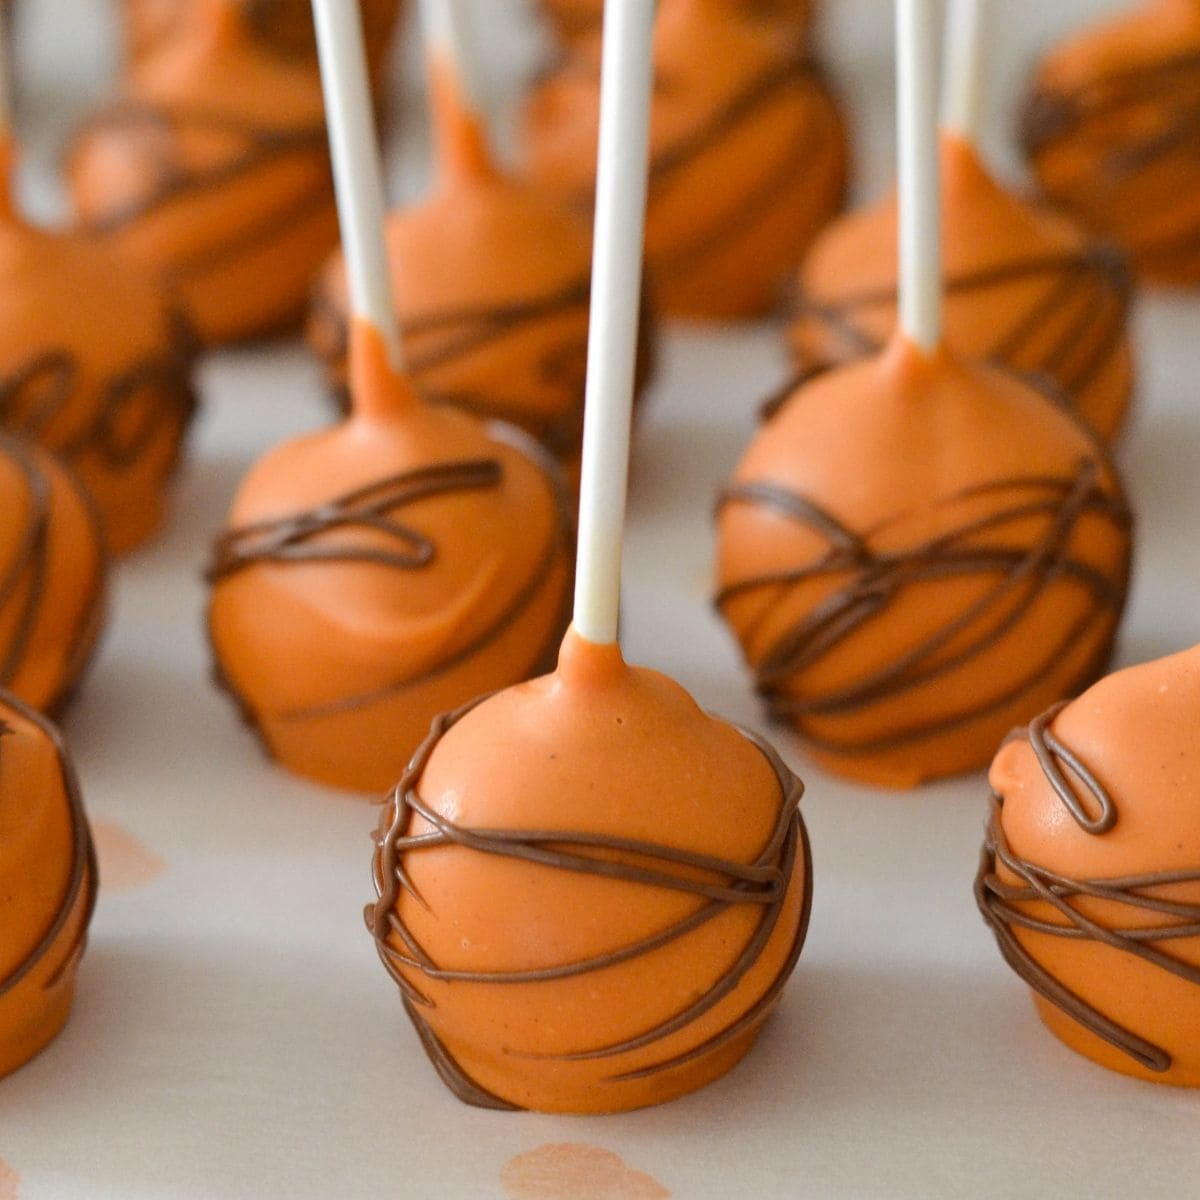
{"points": [[625, 87], [962, 107], [356, 171], [920, 200], [447, 38]]}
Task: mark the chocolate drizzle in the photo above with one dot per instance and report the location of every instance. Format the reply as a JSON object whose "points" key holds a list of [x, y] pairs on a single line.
{"points": [[1170, 88], [177, 183], [304, 539], [438, 340], [23, 581], [762, 883], [83, 880], [794, 159], [122, 420], [798, 72], [1088, 293], [871, 580], [1006, 906]]}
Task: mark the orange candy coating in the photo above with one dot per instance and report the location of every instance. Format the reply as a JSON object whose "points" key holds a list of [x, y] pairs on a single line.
{"points": [[1135, 731], [633, 985], [94, 364], [1025, 288], [47, 884], [52, 576], [748, 156], [284, 27], [375, 574], [916, 554], [1110, 130], [212, 169], [492, 279]]}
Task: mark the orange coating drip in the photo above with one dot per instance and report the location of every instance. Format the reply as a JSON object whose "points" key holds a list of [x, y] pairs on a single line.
{"points": [[492, 282], [1111, 130], [748, 156], [417, 557], [94, 364], [47, 884], [916, 554], [211, 169], [641, 896], [1025, 288], [52, 577], [1134, 731]]}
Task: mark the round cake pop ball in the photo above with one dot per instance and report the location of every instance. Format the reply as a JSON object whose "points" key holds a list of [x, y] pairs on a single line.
{"points": [[283, 27], [47, 883], [381, 572], [1091, 871], [492, 280], [95, 365], [51, 576], [748, 156], [590, 893], [1024, 288], [212, 168], [916, 554], [1111, 132]]}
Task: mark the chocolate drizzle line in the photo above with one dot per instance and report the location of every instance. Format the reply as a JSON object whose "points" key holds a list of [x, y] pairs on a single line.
{"points": [[872, 580], [1005, 905], [435, 340], [1096, 281], [84, 876], [301, 539], [793, 159], [23, 581], [1172, 86], [762, 883], [157, 389], [178, 183]]}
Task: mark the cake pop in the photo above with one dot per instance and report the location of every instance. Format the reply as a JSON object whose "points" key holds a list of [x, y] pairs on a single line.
{"points": [[1090, 878], [47, 883], [491, 278], [95, 364], [1025, 289], [51, 576], [211, 168], [416, 558], [748, 156], [601, 789], [1111, 131], [918, 552], [589, 893], [284, 27], [381, 572]]}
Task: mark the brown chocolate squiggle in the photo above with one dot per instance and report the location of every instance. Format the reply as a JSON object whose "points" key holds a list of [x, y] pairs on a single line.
{"points": [[23, 581], [793, 159], [178, 183], [1172, 88], [303, 539], [1096, 275], [83, 881], [1005, 906], [873, 579], [438, 339], [762, 883], [124, 419]]}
